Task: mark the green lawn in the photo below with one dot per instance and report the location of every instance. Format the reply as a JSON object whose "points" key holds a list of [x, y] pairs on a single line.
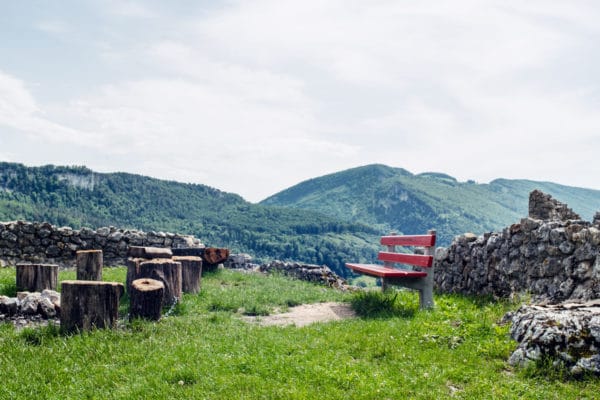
{"points": [[203, 350]]}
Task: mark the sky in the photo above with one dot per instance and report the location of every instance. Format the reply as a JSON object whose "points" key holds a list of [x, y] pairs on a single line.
{"points": [[253, 97]]}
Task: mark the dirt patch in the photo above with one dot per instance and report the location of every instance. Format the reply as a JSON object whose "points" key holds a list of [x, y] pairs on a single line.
{"points": [[306, 314]]}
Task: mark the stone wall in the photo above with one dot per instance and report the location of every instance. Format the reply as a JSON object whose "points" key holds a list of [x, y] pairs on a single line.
{"points": [[543, 206], [24, 242], [555, 259]]}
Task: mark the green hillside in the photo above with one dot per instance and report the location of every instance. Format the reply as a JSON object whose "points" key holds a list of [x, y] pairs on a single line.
{"points": [[395, 199], [328, 220], [77, 197]]}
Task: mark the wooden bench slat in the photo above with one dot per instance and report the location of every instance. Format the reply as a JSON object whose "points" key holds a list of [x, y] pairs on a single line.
{"points": [[418, 260], [385, 272], [412, 240]]}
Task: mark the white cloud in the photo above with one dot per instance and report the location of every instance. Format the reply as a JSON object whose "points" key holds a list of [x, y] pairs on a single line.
{"points": [[53, 27], [128, 8], [202, 130], [20, 111]]}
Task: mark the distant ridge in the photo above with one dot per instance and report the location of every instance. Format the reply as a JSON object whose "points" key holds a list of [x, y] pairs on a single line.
{"points": [[395, 199]]}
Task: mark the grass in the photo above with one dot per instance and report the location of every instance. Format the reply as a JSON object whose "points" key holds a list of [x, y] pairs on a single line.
{"points": [[203, 350]]}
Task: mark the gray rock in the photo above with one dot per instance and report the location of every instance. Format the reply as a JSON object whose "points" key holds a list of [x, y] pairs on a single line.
{"points": [[46, 308], [30, 304], [8, 306], [566, 333]]}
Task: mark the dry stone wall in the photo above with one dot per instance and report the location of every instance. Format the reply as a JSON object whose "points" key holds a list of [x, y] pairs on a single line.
{"points": [[554, 259], [24, 242]]}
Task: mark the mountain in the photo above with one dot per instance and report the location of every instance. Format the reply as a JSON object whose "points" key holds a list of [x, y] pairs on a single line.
{"points": [[395, 199], [77, 197]]}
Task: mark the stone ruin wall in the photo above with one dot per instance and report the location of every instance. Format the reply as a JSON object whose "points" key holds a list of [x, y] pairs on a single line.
{"points": [[552, 255], [27, 242]]}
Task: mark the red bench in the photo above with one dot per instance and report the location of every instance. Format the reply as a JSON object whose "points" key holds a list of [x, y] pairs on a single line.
{"points": [[420, 279]]}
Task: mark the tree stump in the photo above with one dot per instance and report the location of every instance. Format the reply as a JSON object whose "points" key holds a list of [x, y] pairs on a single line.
{"points": [[133, 268], [146, 299], [89, 265], [89, 304], [165, 270], [36, 277], [213, 256], [191, 273]]}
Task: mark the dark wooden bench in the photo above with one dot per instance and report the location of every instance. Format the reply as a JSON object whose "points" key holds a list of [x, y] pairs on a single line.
{"points": [[420, 278]]}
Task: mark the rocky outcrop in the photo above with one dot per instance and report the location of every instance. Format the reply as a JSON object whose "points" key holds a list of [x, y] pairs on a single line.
{"points": [[567, 335], [26, 242]]}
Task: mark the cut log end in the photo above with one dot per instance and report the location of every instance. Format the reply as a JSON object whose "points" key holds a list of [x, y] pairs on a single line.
{"points": [[147, 285], [165, 270]]}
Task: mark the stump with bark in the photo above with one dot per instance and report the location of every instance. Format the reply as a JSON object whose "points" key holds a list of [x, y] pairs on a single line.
{"points": [[191, 273], [86, 305], [146, 299], [89, 265], [133, 268], [213, 256], [165, 270], [36, 277]]}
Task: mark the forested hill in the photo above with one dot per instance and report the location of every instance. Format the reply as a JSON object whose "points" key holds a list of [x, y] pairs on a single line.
{"points": [[327, 220], [395, 199], [77, 197]]}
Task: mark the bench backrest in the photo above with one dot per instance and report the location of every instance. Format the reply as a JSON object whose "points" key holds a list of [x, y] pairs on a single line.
{"points": [[390, 256]]}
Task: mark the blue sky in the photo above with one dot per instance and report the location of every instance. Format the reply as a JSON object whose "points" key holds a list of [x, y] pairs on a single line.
{"points": [[252, 97]]}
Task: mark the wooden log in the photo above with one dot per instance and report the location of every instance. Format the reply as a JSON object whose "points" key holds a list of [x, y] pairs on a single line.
{"points": [[146, 299], [191, 273], [36, 277], [149, 252], [188, 251], [86, 305], [212, 257], [165, 270], [89, 265]]}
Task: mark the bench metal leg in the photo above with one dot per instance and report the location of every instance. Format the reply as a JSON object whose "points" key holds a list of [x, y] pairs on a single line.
{"points": [[426, 298], [384, 285]]}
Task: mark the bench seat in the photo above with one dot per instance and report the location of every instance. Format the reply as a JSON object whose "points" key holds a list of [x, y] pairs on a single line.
{"points": [[385, 272]]}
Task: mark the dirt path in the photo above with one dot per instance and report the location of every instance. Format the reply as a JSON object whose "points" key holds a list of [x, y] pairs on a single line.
{"points": [[306, 314]]}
